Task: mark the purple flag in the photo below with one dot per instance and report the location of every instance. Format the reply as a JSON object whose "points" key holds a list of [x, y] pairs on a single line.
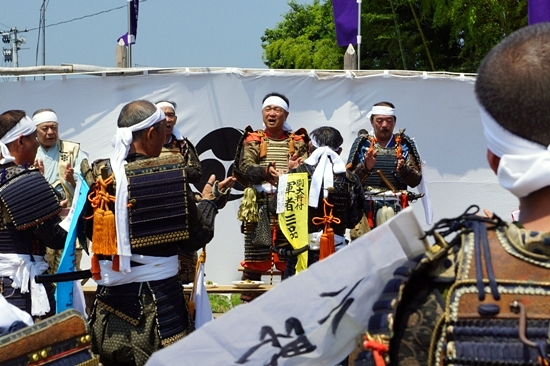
{"points": [[131, 38], [345, 21], [539, 11]]}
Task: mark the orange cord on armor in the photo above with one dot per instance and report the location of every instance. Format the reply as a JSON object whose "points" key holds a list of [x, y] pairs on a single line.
{"points": [[378, 350], [399, 149], [327, 238], [104, 231]]}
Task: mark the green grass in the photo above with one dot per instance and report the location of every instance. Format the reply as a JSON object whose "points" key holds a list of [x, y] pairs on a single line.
{"points": [[222, 303]]}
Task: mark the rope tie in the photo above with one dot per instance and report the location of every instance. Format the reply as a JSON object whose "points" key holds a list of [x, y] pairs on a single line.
{"points": [[481, 244], [104, 231], [378, 351], [327, 238]]}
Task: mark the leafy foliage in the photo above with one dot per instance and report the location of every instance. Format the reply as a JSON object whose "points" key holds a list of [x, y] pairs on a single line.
{"points": [[433, 35]]}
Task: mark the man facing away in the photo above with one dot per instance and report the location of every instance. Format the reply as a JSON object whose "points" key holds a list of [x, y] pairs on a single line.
{"points": [[387, 163], [262, 156], [30, 220], [139, 305], [337, 202], [484, 284]]}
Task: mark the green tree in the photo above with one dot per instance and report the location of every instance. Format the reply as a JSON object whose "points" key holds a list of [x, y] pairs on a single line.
{"points": [[431, 35], [304, 39]]}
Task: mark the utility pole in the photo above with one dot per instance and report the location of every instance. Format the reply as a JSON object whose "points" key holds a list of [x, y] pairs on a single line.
{"points": [[11, 55], [43, 26]]}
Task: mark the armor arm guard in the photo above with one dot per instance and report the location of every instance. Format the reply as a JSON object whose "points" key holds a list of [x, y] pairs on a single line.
{"points": [[411, 172], [193, 169], [357, 199], [249, 165], [201, 224], [50, 233], [220, 198], [355, 160]]}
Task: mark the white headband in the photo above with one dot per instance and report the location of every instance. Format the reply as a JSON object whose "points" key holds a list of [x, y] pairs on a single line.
{"points": [[165, 104], [279, 102], [24, 127], [322, 176], [524, 165], [381, 109], [46, 116], [121, 142]]}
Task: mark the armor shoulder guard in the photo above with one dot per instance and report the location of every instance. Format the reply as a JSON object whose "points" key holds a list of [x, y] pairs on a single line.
{"points": [[248, 131], [250, 135], [411, 146], [26, 212], [353, 160]]}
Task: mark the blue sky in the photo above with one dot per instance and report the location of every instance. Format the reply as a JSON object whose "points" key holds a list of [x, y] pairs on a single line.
{"points": [[171, 33]]}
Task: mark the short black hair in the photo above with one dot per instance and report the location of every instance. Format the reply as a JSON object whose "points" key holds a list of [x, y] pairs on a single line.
{"points": [[327, 136], [513, 83]]}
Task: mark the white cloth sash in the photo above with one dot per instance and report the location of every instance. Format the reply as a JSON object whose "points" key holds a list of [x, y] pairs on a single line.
{"points": [[315, 241], [152, 269], [22, 270]]}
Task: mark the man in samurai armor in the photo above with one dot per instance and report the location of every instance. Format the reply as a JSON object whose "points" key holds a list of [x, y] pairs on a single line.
{"points": [[30, 218], [481, 297], [335, 196], [176, 143], [387, 164], [59, 160], [262, 156], [141, 212]]}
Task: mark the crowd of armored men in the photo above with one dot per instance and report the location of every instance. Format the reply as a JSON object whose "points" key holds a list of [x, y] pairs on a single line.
{"points": [[33, 144], [139, 264]]}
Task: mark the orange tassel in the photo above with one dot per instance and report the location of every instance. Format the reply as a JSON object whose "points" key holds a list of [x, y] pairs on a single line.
{"points": [[109, 242], [96, 271], [116, 263], [404, 200], [327, 244], [98, 231], [370, 219], [263, 148]]}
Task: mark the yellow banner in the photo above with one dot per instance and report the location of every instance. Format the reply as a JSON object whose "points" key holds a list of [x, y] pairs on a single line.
{"points": [[293, 221]]}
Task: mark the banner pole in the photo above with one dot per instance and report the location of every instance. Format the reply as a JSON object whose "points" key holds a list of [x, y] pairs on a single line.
{"points": [[129, 57], [359, 34]]}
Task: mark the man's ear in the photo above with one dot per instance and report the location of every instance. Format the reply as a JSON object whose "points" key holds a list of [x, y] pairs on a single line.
{"points": [[339, 150], [149, 134], [493, 161]]}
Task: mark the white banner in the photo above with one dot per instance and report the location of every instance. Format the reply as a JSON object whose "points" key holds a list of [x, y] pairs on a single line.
{"points": [[214, 105], [313, 318]]}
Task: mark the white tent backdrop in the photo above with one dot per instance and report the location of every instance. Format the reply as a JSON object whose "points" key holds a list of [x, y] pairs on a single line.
{"points": [[438, 110]]}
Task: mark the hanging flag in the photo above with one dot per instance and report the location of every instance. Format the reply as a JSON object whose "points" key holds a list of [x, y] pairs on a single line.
{"points": [[345, 20], [292, 208], [315, 318], [203, 310], [131, 37], [69, 294], [538, 11]]}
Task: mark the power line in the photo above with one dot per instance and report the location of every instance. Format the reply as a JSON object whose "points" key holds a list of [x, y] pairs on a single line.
{"points": [[82, 17]]}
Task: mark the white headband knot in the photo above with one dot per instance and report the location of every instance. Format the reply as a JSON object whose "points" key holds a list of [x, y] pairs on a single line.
{"points": [[46, 116], [327, 161], [524, 165], [24, 127], [381, 109], [121, 142]]}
